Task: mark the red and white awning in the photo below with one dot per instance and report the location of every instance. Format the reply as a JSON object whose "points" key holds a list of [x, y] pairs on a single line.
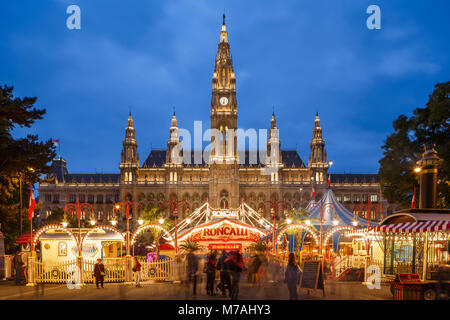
{"points": [[406, 227]]}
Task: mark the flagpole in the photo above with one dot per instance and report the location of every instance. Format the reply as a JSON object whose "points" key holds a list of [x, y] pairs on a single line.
{"points": [[31, 224]]}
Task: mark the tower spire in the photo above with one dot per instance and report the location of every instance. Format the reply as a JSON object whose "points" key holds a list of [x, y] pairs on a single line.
{"points": [[223, 23]]}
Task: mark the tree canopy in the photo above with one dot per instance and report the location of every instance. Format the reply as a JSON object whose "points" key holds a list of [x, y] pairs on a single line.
{"points": [[22, 160], [427, 127]]}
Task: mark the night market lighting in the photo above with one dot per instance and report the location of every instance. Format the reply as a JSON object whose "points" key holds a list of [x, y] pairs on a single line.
{"points": [[113, 222], [308, 222], [140, 221], [161, 220], [188, 220], [64, 224], [418, 169], [92, 222], [355, 223], [288, 220], [335, 222]]}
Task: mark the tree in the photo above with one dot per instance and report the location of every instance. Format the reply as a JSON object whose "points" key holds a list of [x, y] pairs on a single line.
{"points": [[22, 160], [190, 246], [152, 214], [259, 246], [428, 127]]}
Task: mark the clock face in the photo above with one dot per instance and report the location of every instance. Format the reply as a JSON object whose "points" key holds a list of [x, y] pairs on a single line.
{"points": [[223, 101]]}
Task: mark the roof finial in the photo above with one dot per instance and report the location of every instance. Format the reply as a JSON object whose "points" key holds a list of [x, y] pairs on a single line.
{"points": [[223, 23], [273, 110], [173, 110]]}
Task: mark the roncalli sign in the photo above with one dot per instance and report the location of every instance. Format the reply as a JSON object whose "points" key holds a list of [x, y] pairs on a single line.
{"points": [[225, 232]]}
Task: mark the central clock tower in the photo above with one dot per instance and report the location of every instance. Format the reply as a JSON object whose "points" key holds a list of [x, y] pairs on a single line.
{"points": [[224, 170]]}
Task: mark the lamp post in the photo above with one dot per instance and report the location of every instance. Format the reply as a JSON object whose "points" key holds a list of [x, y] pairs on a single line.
{"points": [[301, 198], [127, 205], [77, 208], [174, 204], [274, 206]]}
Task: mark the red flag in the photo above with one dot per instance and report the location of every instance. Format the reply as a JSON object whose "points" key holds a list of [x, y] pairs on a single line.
{"points": [[313, 192], [32, 204], [413, 201], [329, 180]]}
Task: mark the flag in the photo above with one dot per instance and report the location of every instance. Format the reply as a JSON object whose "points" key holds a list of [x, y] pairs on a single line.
{"points": [[313, 193], [56, 142], [329, 180], [32, 204], [413, 201]]}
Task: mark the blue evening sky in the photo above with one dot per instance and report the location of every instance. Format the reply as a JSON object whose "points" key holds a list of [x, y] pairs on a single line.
{"points": [[302, 57]]}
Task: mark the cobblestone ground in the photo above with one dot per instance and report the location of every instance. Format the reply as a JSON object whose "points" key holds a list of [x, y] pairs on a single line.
{"points": [[173, 291]]}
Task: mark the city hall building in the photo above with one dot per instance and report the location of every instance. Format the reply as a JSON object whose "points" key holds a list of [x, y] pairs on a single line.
{"points": [[225, 181]]}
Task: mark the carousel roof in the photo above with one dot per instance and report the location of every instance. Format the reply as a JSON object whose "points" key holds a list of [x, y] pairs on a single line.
{"points": [[334, 209]]}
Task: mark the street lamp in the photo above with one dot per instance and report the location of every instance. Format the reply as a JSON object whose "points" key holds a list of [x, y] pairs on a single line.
{"points": [[174, 204], [308, 222], [188, 220], [140, 221], [274, 206], [335, 222], [113, 222], [161, 220], [355, 222], [288, 220], [301, 198], [127, 204], [417, 169]]}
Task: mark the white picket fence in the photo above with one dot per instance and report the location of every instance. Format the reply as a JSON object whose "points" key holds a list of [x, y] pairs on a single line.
{"points": [[114, 270], [54, 273], [163, 270], [64, 272]]}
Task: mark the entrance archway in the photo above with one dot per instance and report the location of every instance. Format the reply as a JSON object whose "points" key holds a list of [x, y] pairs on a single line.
{"points": [[165, 233], [330, 232], [300, 226], [53, 227]]}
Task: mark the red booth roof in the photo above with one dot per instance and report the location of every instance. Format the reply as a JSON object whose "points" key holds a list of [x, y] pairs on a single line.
{"points": [[24, 238], [166, 246]]}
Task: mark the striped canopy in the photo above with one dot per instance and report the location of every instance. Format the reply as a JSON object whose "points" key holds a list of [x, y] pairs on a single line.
{"points": [[407, 227], [334, 209]]}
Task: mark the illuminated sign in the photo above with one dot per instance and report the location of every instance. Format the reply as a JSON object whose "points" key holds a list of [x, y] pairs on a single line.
{"points": [[89, 250], [225, 232], [225, 246], [225, 213]]}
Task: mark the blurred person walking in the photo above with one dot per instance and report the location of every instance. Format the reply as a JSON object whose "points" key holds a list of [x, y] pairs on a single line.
{"points": [[236, 266], [192, 268], [18, 263], [292, 277], [210, 269], [225, 281]]}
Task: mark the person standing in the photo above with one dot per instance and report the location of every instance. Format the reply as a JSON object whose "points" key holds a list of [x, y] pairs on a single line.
{"points": [[236, 265], [137, 271], [211, 273], [18, 263], [192, 268], [99, 273], [225, 283], [292, 277]]}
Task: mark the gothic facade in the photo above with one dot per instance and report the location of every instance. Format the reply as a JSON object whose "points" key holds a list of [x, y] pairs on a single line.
{"points": [[227, 178]]}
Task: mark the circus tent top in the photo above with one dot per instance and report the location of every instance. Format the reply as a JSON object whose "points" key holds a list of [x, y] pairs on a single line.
{"points": [[333, 209], [311, 205]]}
